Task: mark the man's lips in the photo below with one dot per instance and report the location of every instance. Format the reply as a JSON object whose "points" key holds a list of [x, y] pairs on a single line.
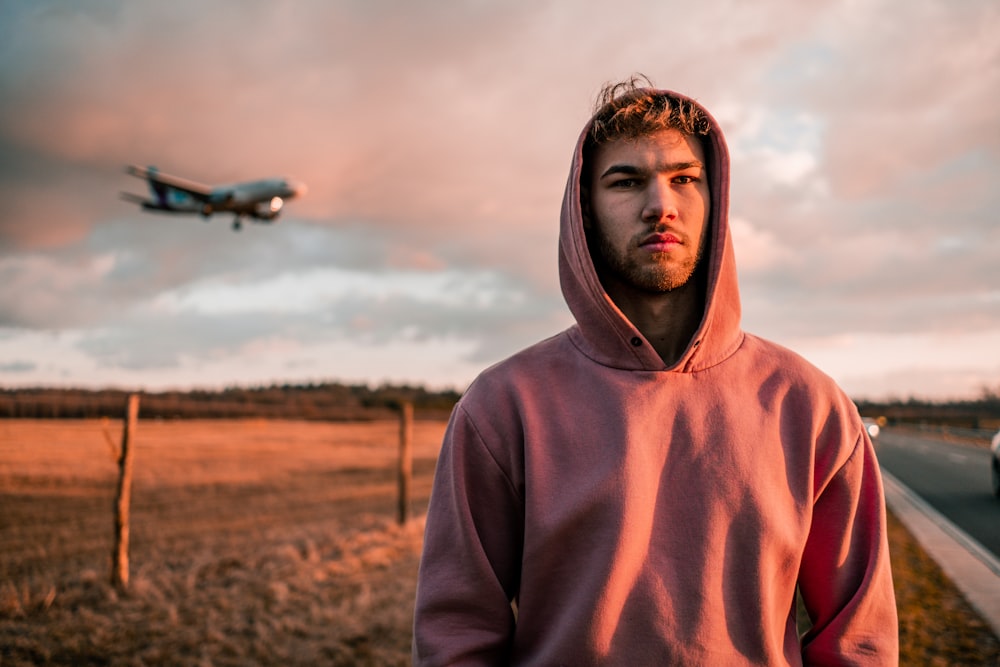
{"points": [[659, 242]]}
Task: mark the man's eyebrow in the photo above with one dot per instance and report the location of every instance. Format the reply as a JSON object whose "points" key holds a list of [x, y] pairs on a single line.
{"points": [[632, 170], [627, 169]]}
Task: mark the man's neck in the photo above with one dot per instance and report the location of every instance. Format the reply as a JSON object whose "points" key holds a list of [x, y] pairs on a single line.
{"points": [[668, 320]]}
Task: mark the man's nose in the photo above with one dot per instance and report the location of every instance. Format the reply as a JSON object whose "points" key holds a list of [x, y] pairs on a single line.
{"points": [[660, 203]]}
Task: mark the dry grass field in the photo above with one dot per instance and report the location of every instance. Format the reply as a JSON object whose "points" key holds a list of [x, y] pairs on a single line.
{"points": [[253, 542], [267, 543]]}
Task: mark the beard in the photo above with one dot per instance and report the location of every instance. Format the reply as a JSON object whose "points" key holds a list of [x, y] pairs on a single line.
{"points": [[657, 274]]}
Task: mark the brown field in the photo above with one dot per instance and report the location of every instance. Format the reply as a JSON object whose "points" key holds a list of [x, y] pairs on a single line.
{"points": [[252, 542], [267, 543]]}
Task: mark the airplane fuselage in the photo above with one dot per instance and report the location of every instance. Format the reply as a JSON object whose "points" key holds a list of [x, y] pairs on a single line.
{"points": [[261, 200], [258, 199]]}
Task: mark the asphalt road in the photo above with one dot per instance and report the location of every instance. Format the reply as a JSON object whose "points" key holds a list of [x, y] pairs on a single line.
{"points": [[953, 478]]}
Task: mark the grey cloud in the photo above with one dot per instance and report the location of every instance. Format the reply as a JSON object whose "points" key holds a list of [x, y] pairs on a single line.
{"points": [[798, 313], [162, 342], [145, 340], [899, 110], [17, 367], [47, 202], [151, 254]]}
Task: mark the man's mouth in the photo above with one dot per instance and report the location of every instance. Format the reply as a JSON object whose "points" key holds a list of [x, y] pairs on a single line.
{"points": [[660, 242]]}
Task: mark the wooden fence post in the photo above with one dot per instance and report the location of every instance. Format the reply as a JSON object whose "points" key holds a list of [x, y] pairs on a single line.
{"points": [[119, 566], [405, 460]]}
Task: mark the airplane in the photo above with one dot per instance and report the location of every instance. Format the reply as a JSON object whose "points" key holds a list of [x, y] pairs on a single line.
{"points": [[260, 200]]}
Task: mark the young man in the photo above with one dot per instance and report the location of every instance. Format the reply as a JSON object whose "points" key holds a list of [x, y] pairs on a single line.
{"points": [[653, 485]]}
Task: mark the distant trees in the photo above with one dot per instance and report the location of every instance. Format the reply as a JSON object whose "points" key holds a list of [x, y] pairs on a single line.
{"points": [[342, 402], [327, 402], [980, 413]]}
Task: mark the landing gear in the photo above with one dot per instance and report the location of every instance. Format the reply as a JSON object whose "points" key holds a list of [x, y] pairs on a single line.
{"points": [[237, 224]]}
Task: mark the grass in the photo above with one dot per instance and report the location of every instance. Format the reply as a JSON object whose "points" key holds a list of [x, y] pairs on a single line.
{"points": [[269, 543], [936, 624]]}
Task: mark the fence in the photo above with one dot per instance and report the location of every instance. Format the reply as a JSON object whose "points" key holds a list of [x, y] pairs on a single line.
{"points": [[120, 559]]}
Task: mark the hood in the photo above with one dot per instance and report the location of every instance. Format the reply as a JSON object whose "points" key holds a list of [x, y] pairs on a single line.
{"points": [[602, 331]]}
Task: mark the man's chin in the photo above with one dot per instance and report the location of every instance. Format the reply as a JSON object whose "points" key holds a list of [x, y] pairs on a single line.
{"points": [[663, 279]]}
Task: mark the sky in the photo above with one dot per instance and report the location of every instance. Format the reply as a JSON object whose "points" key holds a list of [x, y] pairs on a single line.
{"points": [[435, 138]]}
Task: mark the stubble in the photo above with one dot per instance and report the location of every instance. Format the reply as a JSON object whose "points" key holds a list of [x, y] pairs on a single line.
{"points": [[656, 273]]}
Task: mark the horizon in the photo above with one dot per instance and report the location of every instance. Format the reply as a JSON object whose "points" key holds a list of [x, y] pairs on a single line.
{"points": [[986, 395]]}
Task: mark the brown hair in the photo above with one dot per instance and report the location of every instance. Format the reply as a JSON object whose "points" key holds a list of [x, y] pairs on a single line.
{"points": [[632, 108]]}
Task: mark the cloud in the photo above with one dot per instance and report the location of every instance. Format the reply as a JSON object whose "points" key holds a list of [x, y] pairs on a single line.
{"points": [[140, 296], [435, 139], [168, 334], [18, 367], [920, 107], [759, 251]]}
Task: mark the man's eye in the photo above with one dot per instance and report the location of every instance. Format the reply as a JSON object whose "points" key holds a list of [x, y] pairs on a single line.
{"points": [[625, 183], [685, 179]]}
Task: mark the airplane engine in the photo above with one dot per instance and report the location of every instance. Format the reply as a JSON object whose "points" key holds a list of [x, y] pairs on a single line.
{"points": [[270, 210]]}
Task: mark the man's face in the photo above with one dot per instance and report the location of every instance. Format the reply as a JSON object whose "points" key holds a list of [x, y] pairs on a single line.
{"points": [[649, 206]]}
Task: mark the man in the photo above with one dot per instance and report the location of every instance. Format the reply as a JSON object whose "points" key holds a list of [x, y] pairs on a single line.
{"points": [[654, 486]]}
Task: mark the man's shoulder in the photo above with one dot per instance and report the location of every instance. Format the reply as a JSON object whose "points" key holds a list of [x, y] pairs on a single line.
{"points": [[780, 353], [519, 372], [772, 357], [801, 391], [546, 352]]}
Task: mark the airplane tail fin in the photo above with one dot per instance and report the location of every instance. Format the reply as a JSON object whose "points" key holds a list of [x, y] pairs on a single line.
{"points": [[157, 189]]}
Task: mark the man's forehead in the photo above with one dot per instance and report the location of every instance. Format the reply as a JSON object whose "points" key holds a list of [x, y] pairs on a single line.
{"points": [[663, 147]]}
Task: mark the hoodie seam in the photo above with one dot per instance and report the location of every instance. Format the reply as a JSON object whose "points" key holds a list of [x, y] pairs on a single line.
{"points": [[482, 443], [728, 354], [857, 448]]}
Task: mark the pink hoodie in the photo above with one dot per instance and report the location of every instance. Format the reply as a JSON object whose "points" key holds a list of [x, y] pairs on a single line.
{"points": [[594, 507]]}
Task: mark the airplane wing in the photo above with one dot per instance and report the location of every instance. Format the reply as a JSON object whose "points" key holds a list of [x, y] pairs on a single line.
{"points": [[196, 190], [135, 199]]}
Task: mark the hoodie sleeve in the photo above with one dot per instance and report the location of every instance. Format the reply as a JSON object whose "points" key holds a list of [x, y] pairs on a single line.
{"points": [[470, 568], [845, 578]]}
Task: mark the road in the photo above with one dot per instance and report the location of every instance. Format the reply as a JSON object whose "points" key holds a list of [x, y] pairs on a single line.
{"points": [[953, 478]]}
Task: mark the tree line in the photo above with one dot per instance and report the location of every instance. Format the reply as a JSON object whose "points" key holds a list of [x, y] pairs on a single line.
{"points": [[977, 413], [344, 402], [325, 401]]}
